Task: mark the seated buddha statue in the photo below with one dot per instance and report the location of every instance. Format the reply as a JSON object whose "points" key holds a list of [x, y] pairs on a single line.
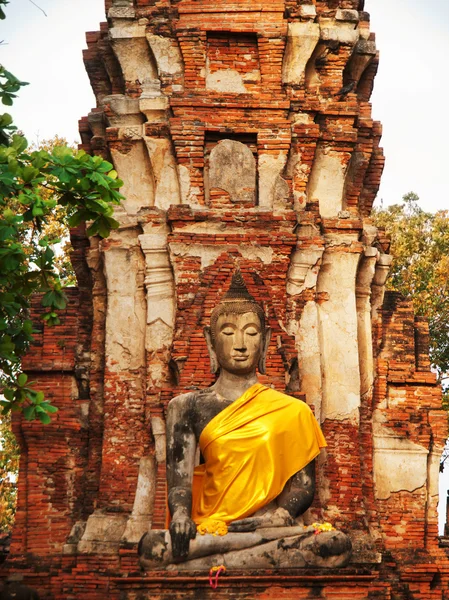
{"points": [[241, 506]]}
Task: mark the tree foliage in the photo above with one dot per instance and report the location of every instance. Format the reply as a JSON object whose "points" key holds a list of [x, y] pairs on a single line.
{"points": [[9, 468], [420, 247], [34, 185], [55, 228]]}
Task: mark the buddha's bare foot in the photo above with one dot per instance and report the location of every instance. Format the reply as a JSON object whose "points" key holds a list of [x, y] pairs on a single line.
{"points": [[276, 518], [328, 549]]}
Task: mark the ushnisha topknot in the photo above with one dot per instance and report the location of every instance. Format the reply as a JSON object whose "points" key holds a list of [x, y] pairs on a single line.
{"points": [[237, 301], [238, 290]]}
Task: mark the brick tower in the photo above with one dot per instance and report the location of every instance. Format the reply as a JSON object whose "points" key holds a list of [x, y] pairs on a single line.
{"points": [[244, 135]]}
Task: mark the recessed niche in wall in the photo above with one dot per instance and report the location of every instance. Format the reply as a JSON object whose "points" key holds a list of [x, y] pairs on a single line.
{"points": [[232, 63], [230, 172]]}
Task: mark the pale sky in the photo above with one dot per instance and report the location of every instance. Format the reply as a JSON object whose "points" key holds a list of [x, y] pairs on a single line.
{"points": [[410, 97]]}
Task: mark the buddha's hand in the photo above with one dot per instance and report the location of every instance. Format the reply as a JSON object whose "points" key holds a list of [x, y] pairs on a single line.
{"points": [[182, 530], [272, 518]]}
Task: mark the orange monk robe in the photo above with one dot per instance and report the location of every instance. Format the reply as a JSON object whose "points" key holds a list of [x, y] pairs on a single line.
{"points": [[251, 449]]}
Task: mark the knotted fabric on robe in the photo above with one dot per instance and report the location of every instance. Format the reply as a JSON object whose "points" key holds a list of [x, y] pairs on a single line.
{"points": [[251, 449]]}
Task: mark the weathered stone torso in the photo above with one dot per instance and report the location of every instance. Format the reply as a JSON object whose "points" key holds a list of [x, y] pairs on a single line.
{"points": [[201, 408]]}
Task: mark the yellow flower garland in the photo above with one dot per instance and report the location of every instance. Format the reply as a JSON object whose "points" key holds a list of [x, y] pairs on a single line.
{"points": [[319, 527], [213, 526]]}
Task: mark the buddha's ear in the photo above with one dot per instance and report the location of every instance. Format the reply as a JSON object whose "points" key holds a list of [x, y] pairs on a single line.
{"points": [[263, 357], [214, 366]]}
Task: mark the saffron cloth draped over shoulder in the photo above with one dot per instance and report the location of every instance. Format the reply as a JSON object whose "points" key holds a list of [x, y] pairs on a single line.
{"points": [[251, 449]]}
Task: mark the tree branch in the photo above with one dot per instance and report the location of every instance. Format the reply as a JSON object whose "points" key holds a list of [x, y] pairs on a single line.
{"points": [[41, 9]]}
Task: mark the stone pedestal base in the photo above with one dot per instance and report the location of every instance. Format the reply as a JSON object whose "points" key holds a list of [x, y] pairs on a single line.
{"points": [[347, 584], [117, 577]]}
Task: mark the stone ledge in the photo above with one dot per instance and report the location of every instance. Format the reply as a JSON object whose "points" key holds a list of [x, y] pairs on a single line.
{"points": [[288, 577]]}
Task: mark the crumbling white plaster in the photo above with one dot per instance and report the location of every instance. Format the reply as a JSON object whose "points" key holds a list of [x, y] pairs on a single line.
{"points": [[338, 335], [227, 81], [134, 167], [327, 180], [125, 29], [142, 513], [126, 309], [339, 31], [307, 11], [154, 108], [160, 289], [165, 172], [309, 354], [158, 428], [270, 168], [433, 475], [304, 269], [302, 39], [399, 465], [298, 172], [251, 76], [189, 193], [167, 55], [123, 111], [102, 534], [184, 182], [365, 275], [122, 9], [349, 15], [159, 334], [383, 266], [130, 45]]}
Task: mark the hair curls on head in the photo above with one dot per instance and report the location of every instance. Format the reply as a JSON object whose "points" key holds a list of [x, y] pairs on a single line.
{"points": [[236, 301]]}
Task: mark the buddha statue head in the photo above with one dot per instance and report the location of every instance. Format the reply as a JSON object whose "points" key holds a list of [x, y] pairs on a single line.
{"points": [[238, 338]]}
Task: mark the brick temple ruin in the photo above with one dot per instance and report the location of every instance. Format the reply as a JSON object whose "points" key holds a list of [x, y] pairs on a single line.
{"points": [[244, 135]]}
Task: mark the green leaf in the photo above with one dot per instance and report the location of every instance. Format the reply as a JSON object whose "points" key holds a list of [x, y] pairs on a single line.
{"points": [[29, 412], [5, 120], [19, 143], [98, 178], [54, 299], [44, 418], [6, 233], [105, 167], [77, 218], [39, 397], [113, 224], [22, 379], [29, 173], [93, 229], [9, 394]]}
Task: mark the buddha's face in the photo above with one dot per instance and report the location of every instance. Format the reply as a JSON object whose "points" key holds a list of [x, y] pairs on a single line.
{"points": [[238, 342]]}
